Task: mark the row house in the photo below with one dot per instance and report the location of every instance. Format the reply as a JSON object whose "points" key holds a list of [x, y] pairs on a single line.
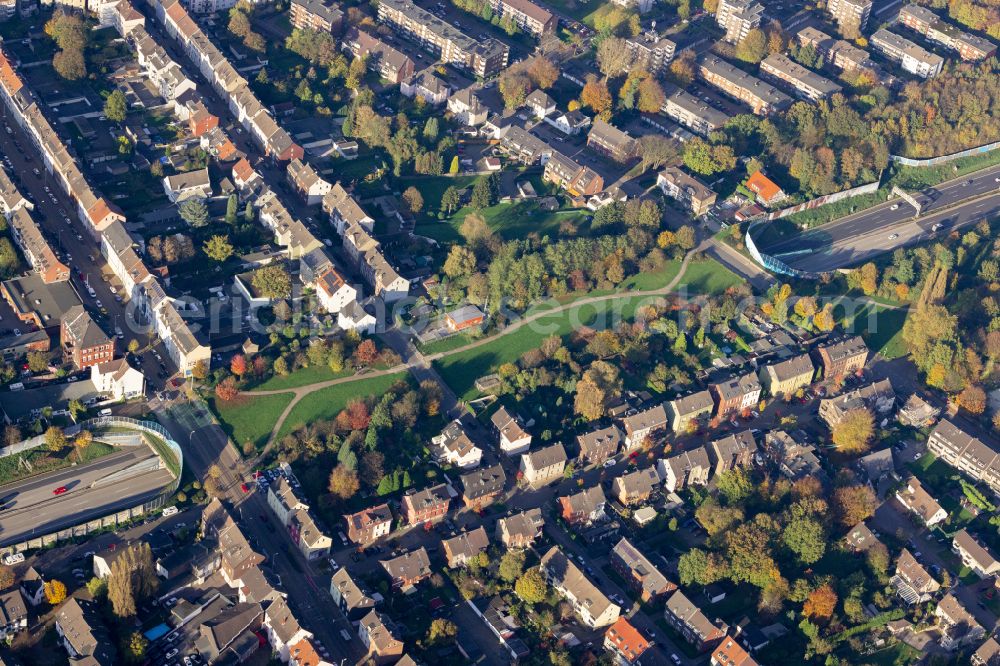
{"points": [[967, 452], [920, 502], [454, 447], [282, 628], [912, 582], [11, 198], [599, 445], [735, 451], [925, 22], [647, 424], [427, 505], [245, 177], [379, 636], [763, 98], [333, 292], [460, 550], [589, 603], [310, 185], [125, 18], [366, 253], [584, 507], [121, 252], [737, 18], [694, 113], [566, 174], [35, 247], [520, 145], [288, 231], [635, 487], [345, 212], [879, 398], [731, 653], [911, 57], [315, 15], [82, 633], [807, 84], [118, 379], [735, 394], [382, 58], [369, 525], [350, 597], [685, 468], [687, 619], [179, 339], [526, 15], [13, 614], [481, 487], [650, 52], [483, 58], [238, 556], [293, 514], [842, 357], [611, 141], [685, 412], [199, 119], [520, 530], [467, 108], [408, 569], [544, 465], [957, 625], [83, 341], [784, 378], [625, 642], [695, 195], [642, 577], [974, 555], [162, 71], [509, 429]]}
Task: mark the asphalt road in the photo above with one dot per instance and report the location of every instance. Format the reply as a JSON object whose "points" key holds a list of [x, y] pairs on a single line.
{"points": [[859, 237], [35, 510]]}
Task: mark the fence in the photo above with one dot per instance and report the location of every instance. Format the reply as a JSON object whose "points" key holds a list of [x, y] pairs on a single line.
{"points": [[769, 262], [870, 188], [943, 159]]}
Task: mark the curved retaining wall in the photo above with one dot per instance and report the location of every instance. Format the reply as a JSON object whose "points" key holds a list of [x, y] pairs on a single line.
{"points": [[770, 263]]}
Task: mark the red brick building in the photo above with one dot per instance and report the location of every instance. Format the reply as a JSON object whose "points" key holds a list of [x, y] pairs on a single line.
{"points": [[427, 505], [83, 341]]}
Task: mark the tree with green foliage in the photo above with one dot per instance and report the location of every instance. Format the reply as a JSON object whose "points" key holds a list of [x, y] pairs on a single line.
{"points": [[453, 169], [486, 191], [116, 106], [735, 485], [450, 200], [232, 206], [441, 632], [135, 647], [218, 247], [272, 281], [531, 586], [511, 565], [805, 536], [753, 47], [194, 211]]}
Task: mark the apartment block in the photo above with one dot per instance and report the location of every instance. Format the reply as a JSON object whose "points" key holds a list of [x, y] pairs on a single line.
{"points": [[805, 82], [390, 63], [735, 394], [784, 378], [611, 141], [851, 16], [544, 465], [83, 341], [763, 98], [590, 604], [566, 174], [912, 58], [693, 625], [693, 113], [369, 525], [641, 575], [315, 15], [526, 15], [731, 452], [484, 58], [965, 451], [688, 190], [651, 52], [843, 356], [738, 17], [927, 23]]}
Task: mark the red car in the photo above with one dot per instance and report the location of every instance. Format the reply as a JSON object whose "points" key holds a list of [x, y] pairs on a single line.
{"points": [[60, 490], [244, 488]]}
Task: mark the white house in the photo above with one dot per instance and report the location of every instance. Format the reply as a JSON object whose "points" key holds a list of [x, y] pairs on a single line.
{"points": [[189, 184], [540, 104], [283, 629], [118, 379], [355, 317], [453, 446], [333, 292]]}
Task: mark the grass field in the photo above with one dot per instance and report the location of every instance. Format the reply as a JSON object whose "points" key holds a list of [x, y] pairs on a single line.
{"points": [[881, 328], [43, 461], [327, 403], [508, 220], [301, 377], [250, 418]]}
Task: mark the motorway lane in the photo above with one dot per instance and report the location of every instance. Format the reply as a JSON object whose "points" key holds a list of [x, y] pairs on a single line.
{"points": [[36, 509]]}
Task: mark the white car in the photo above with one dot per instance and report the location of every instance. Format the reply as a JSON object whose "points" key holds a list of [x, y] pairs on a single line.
{"points": [[17, 332], [894, 207], [893, 236], [172, 653], [610, 462]]}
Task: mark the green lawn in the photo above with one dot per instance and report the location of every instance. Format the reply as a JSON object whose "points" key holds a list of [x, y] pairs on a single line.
{"points": [[881, 328], [43, 460], [708, 277], [301, 377], [327, 403], [509, 220], [433, 187], [250, 418]]}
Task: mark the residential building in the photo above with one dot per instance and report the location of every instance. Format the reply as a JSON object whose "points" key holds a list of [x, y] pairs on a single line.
{"points": [[957, 625], [650, 52], [408, 569], [483, 58], [975, 456], [738, 17], [686, 618], [349, 596], [851, 16], [459, 550], [378, 634], [13, 614], [294, 516], [768, 192], [988, 654], [763, 98], [345, 212], [178, 338], [83, 635], [366, 253], [570, 123], [28, 236], [793, 453], [118, 379], [784, 378], [917, 412], [283, 629], [482, 486], [839, 53], [599, 445], [861, 538], [427, 505], [333, 292], [540, 104], [912, 58], [357, 317], [878, 398], [566, 174], [641, 575], [454, 447], [369, 525], [593, 608], [733, 451], [520, 145], [509, 428], [382, 58], [974, 555], [521, 529], [232, 634], [635, 487], [685, 412], [735, 394], [245, 178], [32, 587], [806, 83], [426, 85], [465, 317], [526, 15], [83, 341], [647, 424], [611, 141], [843, 356], [915, 498], [693, 113], [188, 185], [544, 465], [625, 642], [315, 15], [694, 194], [467, 108], [583, 507], [925, 22], [685, 468], [309, 185], [731, 653]]}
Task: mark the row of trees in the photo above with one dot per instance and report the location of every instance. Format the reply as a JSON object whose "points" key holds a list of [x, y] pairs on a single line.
{"points": [[70, 33]]}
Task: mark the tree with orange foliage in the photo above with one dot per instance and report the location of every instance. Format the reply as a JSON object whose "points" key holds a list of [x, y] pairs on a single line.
{"points": [[821, 603], [597, 97], [973, 399], [366, 353], [355, 416], [853, 504], [238, 365], [226, 389]]}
